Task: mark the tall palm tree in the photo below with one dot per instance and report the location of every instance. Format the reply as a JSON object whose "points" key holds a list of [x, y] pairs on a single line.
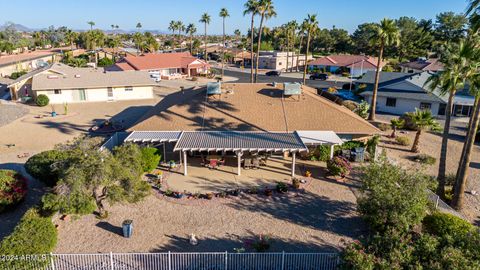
{"points": [[293, 28], [205, 19], [311, 24], [266, 10], [71, 36], [223, 14], [91, 23], [386, 34], [449, 81], [251, 7], [191, 30], [423, 120], [138, 26], [180, 28], [238, 34], [113, 43], [473, 11], [464, 166], [301, 31]]}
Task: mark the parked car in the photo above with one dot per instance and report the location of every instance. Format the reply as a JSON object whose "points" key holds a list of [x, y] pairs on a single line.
{"points": [[319, 76], [273, 73]]}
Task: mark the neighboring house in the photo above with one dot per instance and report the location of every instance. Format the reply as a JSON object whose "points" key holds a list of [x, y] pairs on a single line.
{"points": [[166, 64], [62, 83], [25, 61], [238, 119], [422, 64], [356, 65], [278, 60], [399, 93]]}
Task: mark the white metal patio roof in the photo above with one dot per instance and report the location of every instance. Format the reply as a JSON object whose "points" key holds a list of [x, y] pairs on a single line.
{"points": [[316, 137]]}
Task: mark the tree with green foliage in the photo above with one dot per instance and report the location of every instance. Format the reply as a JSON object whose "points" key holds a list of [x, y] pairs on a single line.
{"points": [[150, 158], [396, 123], [311, 27], [385, 35], [205, 19], [44, 166], [105, 62], [423, 120], [450, 27], [191, 30], [251, 7], [91, 23], [266, 10], [223, 14]]}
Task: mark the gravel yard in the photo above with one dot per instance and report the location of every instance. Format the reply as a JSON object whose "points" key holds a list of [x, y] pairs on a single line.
{"points": [[317, 219], [10, 112]]}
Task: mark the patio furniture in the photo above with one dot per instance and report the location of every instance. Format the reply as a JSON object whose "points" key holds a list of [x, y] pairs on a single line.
{"points": [[221, 162], [247, 164], [256, 163], [358, 154], [213, 164]]}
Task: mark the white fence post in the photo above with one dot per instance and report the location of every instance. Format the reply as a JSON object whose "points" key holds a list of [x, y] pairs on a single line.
{"points": [[111, 260], [226, 260], [169, 260], [52, 261], [283, 260]]}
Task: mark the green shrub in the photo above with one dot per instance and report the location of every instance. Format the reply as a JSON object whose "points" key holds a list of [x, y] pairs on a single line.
{"points": [[42, 100], [450, 179], [425, 159], [18, 74], [150, 158], [350, 145], [443, 224], [338, 166], [35, 234], [320, 153], [13, 188], [383, 126], [408, 122], [362, 109], [40, 166], [105, 62], [372, 145], [403, 140], [282, 187]]}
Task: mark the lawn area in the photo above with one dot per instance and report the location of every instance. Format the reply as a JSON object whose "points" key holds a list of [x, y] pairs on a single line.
{"points": [[314, 219]]}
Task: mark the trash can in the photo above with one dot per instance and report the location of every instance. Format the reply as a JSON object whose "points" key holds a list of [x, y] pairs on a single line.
{"points": [[127, 227]]}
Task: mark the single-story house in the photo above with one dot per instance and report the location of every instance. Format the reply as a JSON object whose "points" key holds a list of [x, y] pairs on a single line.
{"points": [[25, 61], [277, 60], [165, 64], [243, 118], [62, 83], [422, 64], [399, 93], [356, 65]]}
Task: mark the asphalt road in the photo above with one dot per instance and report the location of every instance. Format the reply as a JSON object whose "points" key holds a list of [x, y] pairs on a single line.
{"points": [[245, 78]]}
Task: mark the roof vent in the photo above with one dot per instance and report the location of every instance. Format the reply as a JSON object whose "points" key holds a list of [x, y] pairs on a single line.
{"points": [[52, 77], [77, 75], [214, 88], [291, 89]]}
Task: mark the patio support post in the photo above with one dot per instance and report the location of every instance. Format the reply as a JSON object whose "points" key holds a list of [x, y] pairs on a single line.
{"points": [[180, 154], [164, 153], [185, 163], [239, 162], [332, 149], [293, 163]]}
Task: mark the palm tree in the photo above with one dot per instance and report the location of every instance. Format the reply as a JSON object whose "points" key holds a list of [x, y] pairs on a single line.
{"points": [[473, 11], [180, 28], [386, 34], [91, 23], [71, 36], [113, 43], [423, 120], [449, 81], [293, 28], [238, 34], [301, 31], [138, 26], [205, 19], [311, 24], [266, 10], [396, 124], [251, 7], [223, 14], [191, 30]]}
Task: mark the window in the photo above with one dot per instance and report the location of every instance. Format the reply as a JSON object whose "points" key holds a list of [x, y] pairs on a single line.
{"points": [[391, 102], [57, 91], [425, 106], [442, 108], [128, 88]]}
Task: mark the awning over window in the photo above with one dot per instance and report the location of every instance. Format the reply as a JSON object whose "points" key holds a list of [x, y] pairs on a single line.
{"points": [[239, 141], [319, 137], [153, 136]]}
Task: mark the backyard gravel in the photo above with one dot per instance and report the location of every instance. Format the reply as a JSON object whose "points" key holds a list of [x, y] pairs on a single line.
{"points": [[9, 112]]}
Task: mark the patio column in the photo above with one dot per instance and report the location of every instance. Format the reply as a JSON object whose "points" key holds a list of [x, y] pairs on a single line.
{"points": [[293, 163], [332, 149], [185, 172], [239, 163], [180, 154], [164, 153]]}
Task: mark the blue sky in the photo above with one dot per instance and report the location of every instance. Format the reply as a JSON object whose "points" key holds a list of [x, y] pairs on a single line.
{"points": [[157, 14]]}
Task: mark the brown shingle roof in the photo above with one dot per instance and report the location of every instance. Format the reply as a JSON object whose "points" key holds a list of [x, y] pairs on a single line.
{"points": [[251, 107], [345, 60]]}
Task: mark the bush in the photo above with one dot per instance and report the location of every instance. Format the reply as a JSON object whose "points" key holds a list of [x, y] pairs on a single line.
{"points": [[362, 109], [425, 159], [282, 187], [443, 224], [403, 140], [350, 145], [408, 121], [338, 166], [18, 74], [13, 188], [150, 158], [35, 234], [42, 100], [372, 145], [321, 153], [40, 166], [105, 62], [383, 126]]}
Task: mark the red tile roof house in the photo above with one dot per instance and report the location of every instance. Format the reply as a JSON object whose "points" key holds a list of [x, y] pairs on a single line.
{"points": [[168, 65], [356, 65]]}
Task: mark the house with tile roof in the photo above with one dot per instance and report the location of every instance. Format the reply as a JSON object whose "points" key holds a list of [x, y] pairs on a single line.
{"points": [[422, 64], [62, 83], [165, 64], [400, 92], [240, 118], [356, 65]]}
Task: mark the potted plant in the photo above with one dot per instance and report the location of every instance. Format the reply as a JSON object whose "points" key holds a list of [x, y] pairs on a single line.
{"points": [[295, 183], [282, 187], [268, 192], [308, 174], [339, 166]]}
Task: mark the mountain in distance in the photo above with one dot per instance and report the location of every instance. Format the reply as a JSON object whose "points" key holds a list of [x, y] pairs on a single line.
{"points": [[17, 26]]}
